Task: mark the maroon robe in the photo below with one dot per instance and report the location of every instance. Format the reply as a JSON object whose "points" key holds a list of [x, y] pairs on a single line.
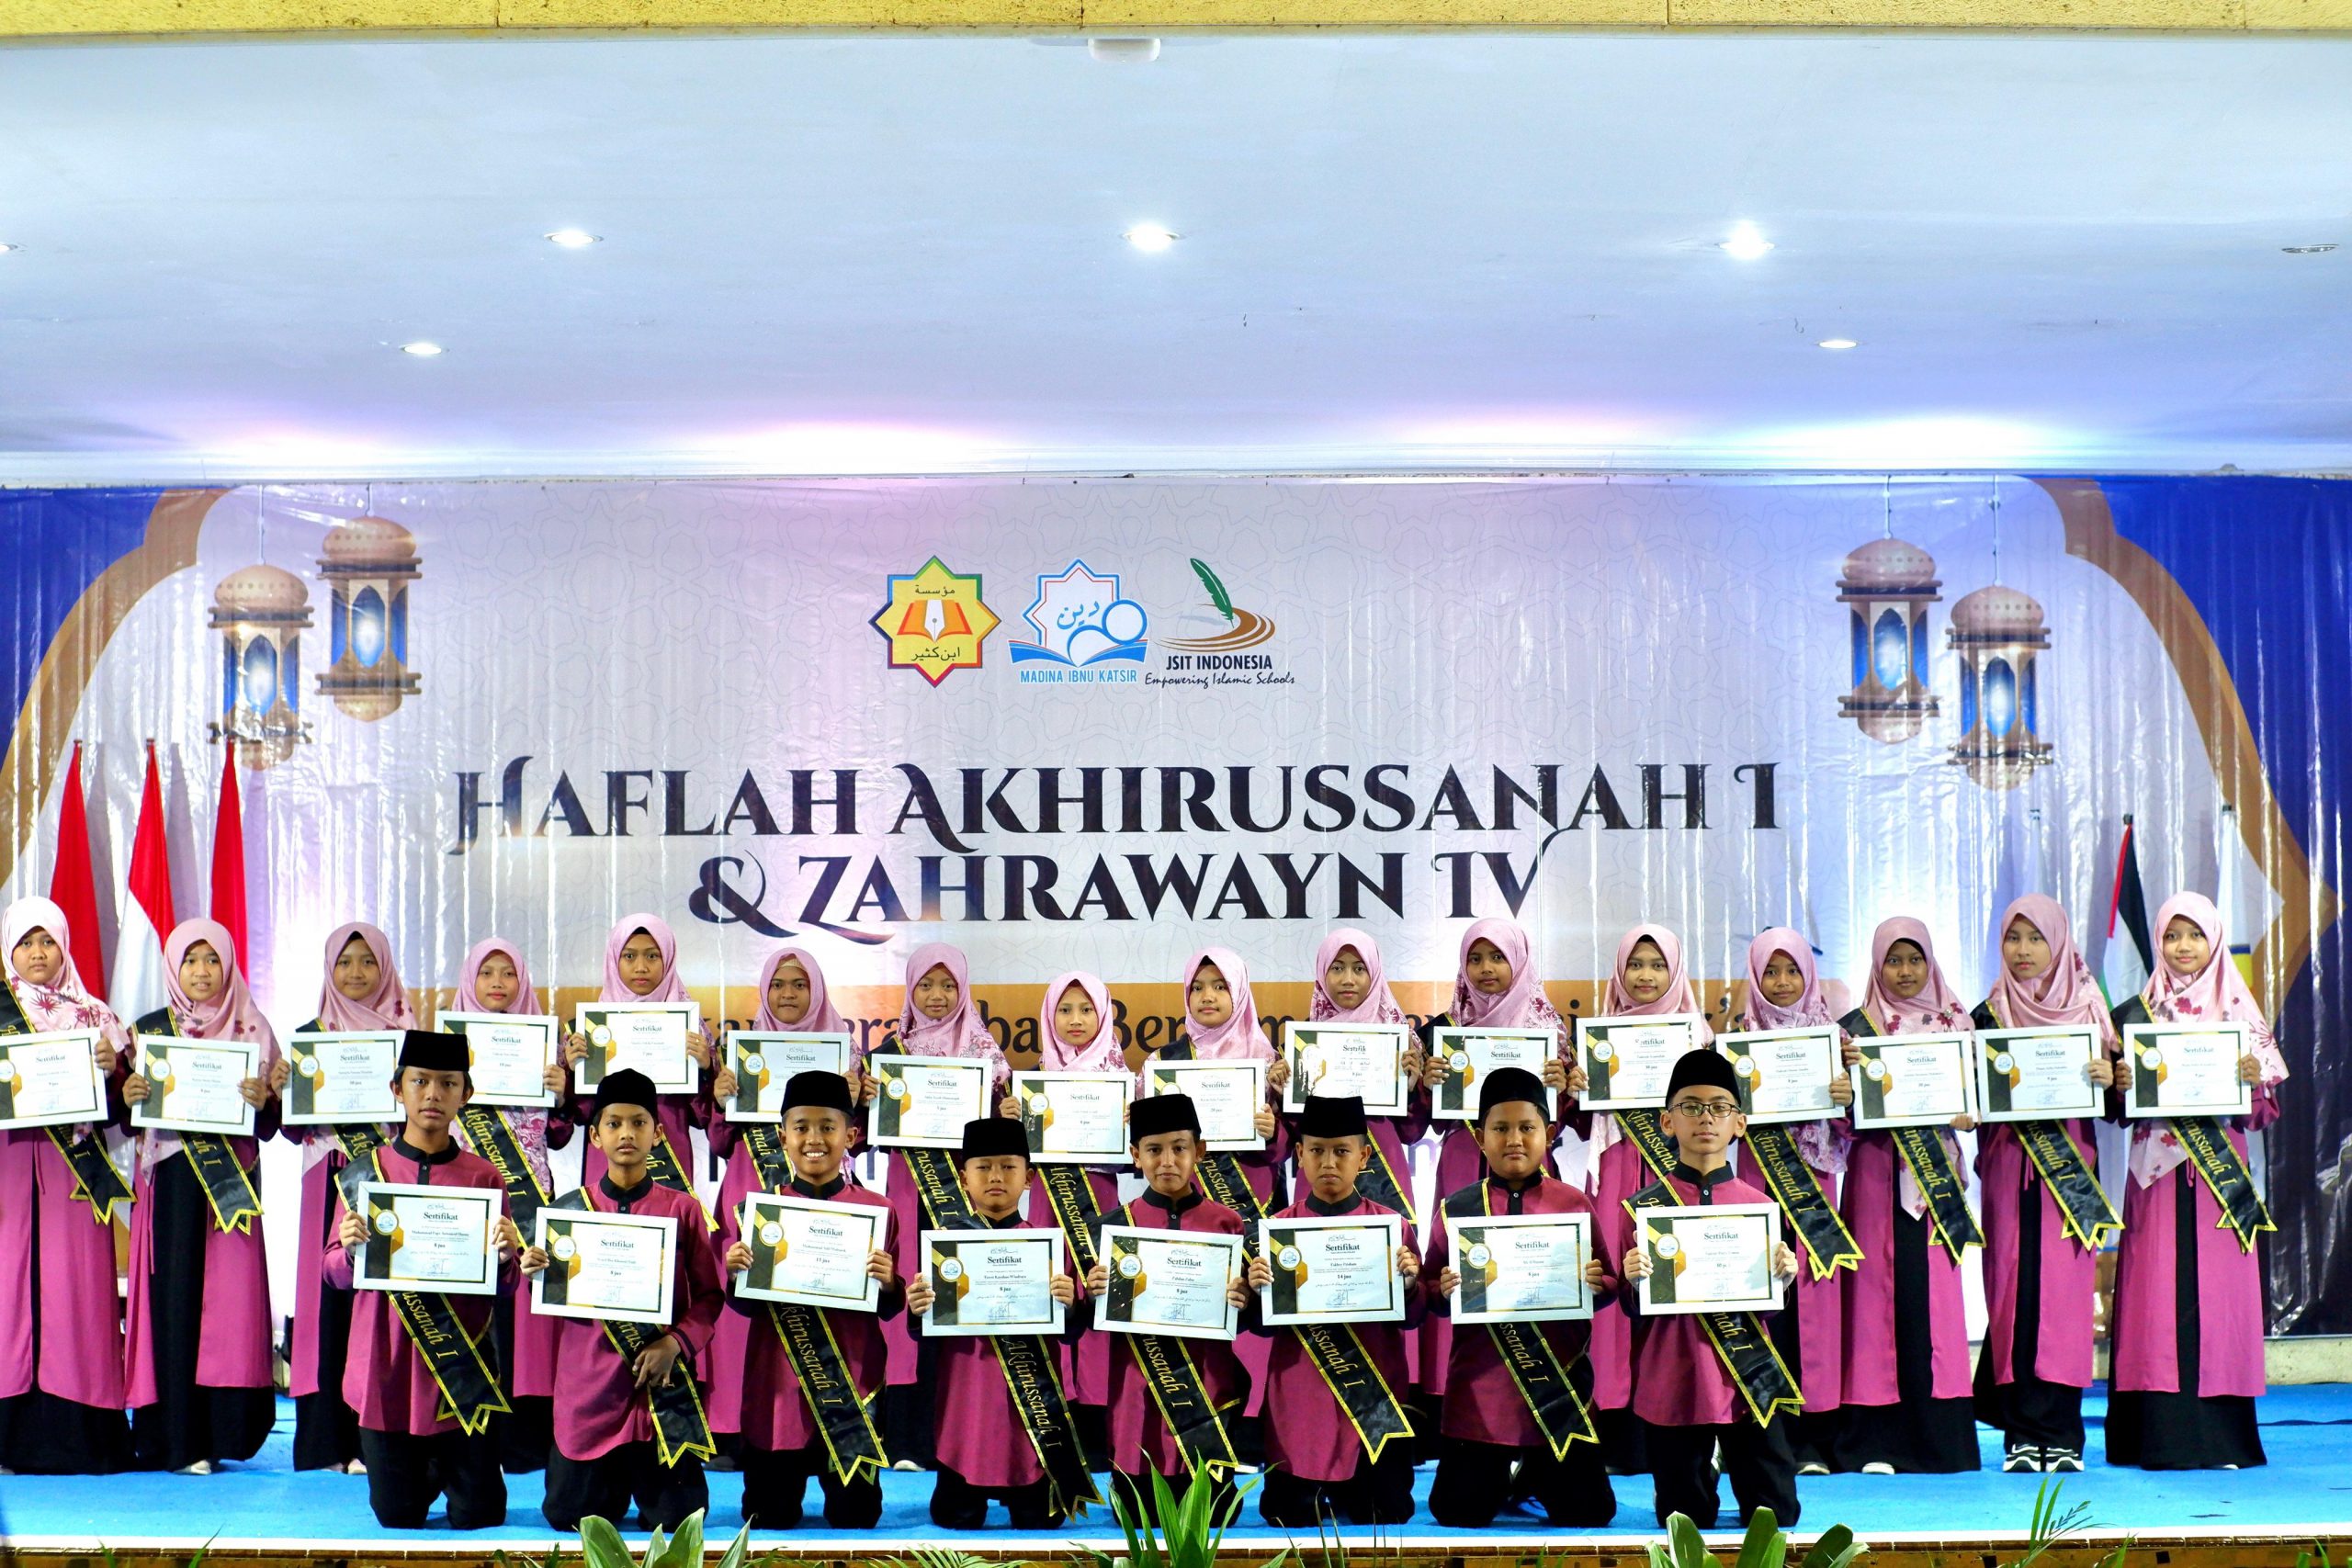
{"points": [[385, 1380], [772, 1413], [67, 1341], [1314, 1439], [1483, 1403], [597, 1406], [1620, 1172], [1136, 1430], [2069, 1270], [977, 1432], [1679, 1381]]}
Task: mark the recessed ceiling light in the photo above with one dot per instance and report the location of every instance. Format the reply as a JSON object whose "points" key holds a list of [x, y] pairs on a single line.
{"points": [[1150, 237], [420, 348], [1837, 343], [2290, 250], [5, 247], [1746, 243], [572, 239], [1123, 51]]}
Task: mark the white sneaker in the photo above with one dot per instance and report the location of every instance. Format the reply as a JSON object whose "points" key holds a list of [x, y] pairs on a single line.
{"points": [[2062, 1461], [201, 1467], [1878, 1467], [355, 1467], [1813, 1467]]}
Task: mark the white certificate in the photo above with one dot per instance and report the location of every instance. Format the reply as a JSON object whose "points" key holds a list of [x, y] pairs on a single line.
{"points": [[1913, 1080], [194, 1084], [1628, 1061], [1471, 1056], [511, 1054], [764, 1062], [925, 1100], [605, 1265], [812, 1252], [51, 1080], [2035, 1075], [1521, 1267], [1339, 1270], [1225, 1094], [648, 1036], [992, 1281], [2187, 1069], [1075, 1118], [342, 1077], [1366, 1060], [429, 1238], [1784, 1073], [1713, 1258], [1166, 1281]]}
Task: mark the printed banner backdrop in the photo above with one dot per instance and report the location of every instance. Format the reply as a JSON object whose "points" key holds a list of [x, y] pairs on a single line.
{"points": [[1097, 724]]}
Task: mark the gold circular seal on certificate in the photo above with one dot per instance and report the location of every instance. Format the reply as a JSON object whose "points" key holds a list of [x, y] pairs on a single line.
{"points": [[1287, 1258], [1130, 1266], [1668, 1247], [1874, 1071], [1743, 1065], [7, 1072], [1459, 1061], [2003, 1062], [602, 1035], [1479, 1256], [1040, 1104], [770, 1234], [898, 1088], [565, 1247], [388, 1222], [952, 1268], [308, 1066], [1604, 1051], [756, 1062], [2151, 1057]]}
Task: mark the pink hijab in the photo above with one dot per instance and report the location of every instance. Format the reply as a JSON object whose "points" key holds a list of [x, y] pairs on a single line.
{"points": [[961, 1032], [384, 1008], [2217, 992], [1935, 1010], [63, 1003], [1378, 1005], [1104, 1054], [1679, 995], [1523, 1005], [2065, 993], [823, 1017], [671, 990], [1238, 1038], [1823, 1144], [526, 997]]}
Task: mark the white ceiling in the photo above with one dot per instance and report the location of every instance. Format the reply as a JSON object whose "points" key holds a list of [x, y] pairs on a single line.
{"points": [[892, 254]]}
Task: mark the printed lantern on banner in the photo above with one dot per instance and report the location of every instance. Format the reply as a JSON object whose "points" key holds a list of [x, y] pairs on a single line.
{"points": [[1889, 583], [261, 612], [369, 563], [1998, 632]]}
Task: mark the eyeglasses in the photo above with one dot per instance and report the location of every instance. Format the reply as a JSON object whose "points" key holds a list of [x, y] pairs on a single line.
{"points": [[1707, 1109]]}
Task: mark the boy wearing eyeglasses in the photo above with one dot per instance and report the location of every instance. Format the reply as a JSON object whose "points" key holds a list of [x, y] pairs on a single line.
{"points": [[1684, 1389]]}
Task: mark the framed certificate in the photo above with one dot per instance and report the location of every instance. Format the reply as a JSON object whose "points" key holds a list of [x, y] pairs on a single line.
{"points": [[2037, 1075], [764, 1062], [1629, 1060], [1333, 1270], [1913, 1080], [1714, 1258], [1366, 1060], [1075, 1118], [1471, 1054], [1784, 1073], [1521, 1267], [1226, 1095], [989, 1282], [648, 1036], [811, 1252], [2187, 1069], [51, 1080], [604, 1265], [1166, 1281], [429, 1238], [195, 1084], [511, 1052], [342, 1077], [925, 1100]]}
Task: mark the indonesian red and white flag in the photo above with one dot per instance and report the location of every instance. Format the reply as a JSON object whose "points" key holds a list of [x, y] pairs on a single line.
{"points": [[147, 917]]}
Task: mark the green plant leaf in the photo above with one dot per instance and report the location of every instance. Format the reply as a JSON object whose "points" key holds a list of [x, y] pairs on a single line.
{"points": [[1690, 1550], [1764, 1546], [685, 1549], [1836, 1548], [600, 1545], [738, 1548]]}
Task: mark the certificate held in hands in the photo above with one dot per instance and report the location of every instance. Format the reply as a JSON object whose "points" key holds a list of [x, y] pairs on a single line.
{"points": [[511, 1053], [1339, 1270], [924, 1101], [337, 1078], [1165, 1281], [605, 1265], [51, 1080], [2186, 1070], [1628, 1060], [429, 1238], [1075, 1118], [648, 1036], [1783, 1074], [1521, 1267], [2036, 1075], [1913, 1080], [1713, 1258], [765, 1061], [1362, 1060], [811, 1252], [1225, 1094], [1471, 1055], [194, 1085], [993, 1281]]}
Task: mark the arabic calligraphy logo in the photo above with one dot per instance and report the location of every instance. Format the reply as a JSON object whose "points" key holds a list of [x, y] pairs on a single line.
{"points": [[1244, 629], [934, 621], [1081, 618]]}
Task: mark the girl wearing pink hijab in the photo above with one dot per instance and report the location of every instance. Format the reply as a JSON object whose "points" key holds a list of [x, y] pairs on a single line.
{"points": [[1648, 980], [2042, 1230], [1352, 986], [1785, 992], [641, 965], [494, 978], [2188, 1336], [793, 996], [61, 1324], [197, 1335], [1906, 1404], [361, 992]]}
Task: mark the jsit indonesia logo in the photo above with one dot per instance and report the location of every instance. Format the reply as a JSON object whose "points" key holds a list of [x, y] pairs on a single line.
{"points": [[1232, 656], [1086, 631]]}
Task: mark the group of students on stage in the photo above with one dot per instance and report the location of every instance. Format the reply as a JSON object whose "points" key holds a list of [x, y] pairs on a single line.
{"points": [[1870, 1346]]}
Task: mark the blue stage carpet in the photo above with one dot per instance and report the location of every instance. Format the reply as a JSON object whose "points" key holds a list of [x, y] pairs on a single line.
{"points": [[2307, 1431]]}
